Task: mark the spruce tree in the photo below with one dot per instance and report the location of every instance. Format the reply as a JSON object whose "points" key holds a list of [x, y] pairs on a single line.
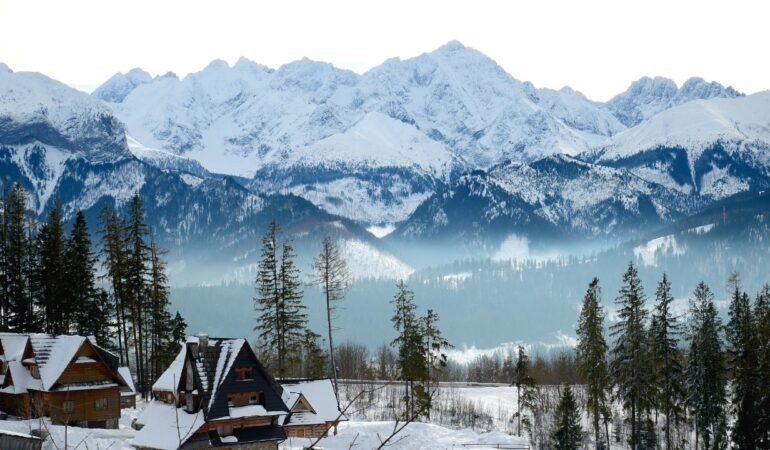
{"points": [[592, 362], [568, 434], [314, 357], [412, 353], [292, 320], [741, 349], [114, 255], [762, 327], [84, 307], [55, 300], [666, 360], [525, 387], [330, 273], [20, 309], [282, 321], [136, 273], [629, 354], [706, 372]]}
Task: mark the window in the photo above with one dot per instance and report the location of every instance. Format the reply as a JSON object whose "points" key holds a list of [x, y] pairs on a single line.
{"points": [[68, 406], [253, 400], [243, 373], [101, 403], [230, 400], [224, 430]]}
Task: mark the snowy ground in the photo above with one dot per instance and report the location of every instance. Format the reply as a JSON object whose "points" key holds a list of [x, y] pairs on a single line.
{"points": [[366, 435], [356, 434]]}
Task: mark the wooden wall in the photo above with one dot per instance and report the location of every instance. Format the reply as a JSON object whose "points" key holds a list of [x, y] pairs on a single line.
{"points": [[85, 405]]}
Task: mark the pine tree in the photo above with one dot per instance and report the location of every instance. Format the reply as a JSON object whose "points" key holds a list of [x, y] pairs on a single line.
{"points": [[54, 299], [161, 327], [114, 254], [20, 309], [178, 332], [741, 340], [568, 434], [292, 320], [412, 353], [314, 357], [268, 299], [137, 262], [592, 361], [332, 276], [282, 321], [525, 387], [84, 307], [705, 372], [666, 360], [762, 327], [629, 363]]}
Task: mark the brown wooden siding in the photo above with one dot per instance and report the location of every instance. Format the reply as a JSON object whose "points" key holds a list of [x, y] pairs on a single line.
{"points": [[84, 408]]}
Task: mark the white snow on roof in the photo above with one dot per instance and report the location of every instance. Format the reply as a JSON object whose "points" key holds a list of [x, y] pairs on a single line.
{"points": [[169, 379], [53, 354], [238, 412], [166, 427], [84, 360], [320, 395], [125, 373], [229, 350], [22, 379], [13, 345]]}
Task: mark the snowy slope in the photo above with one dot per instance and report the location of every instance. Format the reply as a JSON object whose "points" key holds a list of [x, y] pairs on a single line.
{"points": [[708, 148], [376, 172], [58, 116], [166, 160]]}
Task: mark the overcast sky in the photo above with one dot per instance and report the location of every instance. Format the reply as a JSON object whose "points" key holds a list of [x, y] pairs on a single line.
{"points": [[596, 47]]}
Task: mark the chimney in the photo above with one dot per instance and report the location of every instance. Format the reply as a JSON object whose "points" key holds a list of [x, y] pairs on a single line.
{"points": [[203, 341]]}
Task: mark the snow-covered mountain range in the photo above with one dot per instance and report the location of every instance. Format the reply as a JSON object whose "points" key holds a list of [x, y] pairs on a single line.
{"points": [[444, 146], [371, 147]]}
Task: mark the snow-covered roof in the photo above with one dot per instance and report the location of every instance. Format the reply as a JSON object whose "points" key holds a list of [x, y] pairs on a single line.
{"points": [[319, 394], [229, 349], [125, 374], [22, 379], [13, 345], [166, 427], [169, 379], [53, 354]]}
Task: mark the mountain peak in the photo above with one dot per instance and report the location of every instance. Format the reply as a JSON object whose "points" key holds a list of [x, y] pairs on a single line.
{"points": [[451, 46]]}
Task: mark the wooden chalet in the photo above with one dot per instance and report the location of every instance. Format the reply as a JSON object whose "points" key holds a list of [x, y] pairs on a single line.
{"points": [[313, 408], [215, 394], [67, 378]]}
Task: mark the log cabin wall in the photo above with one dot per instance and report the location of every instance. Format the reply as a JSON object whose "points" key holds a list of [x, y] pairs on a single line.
{"points": [[93, 405]]}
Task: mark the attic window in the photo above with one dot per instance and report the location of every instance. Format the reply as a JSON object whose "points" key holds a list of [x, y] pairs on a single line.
{"points": [[243, 373]]}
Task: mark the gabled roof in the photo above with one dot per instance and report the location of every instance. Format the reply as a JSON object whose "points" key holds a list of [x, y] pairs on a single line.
{"points": [[125, 374], [20, 380], [53, 354], [13, 345], [170, 378], [319, 394], [165, 426]]}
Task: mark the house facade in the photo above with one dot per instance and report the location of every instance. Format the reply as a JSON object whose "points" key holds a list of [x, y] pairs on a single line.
{"points": [[215, 394], [313, 408], [67, 378]]}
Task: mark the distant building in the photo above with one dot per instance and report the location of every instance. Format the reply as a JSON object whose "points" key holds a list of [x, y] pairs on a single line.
{"points": [[67, 378], [313, 408]]}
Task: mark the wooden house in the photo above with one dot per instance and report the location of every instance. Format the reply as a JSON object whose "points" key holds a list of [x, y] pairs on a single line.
{"points": [[215, 394], [313, 408], [67, 378]]}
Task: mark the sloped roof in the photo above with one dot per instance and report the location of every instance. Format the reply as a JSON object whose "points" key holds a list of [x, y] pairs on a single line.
{"points": [[22, 379], [53, 355], [172, 374], [13, 345], [319, 394], [165, 426], [125, 374]]}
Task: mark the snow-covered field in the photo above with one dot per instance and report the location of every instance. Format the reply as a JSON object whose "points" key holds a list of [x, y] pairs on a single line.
{"points": [[358, 433]]}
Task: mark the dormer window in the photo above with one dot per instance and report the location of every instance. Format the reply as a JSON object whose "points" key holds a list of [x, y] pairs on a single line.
{"points": [[243, 373]]}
